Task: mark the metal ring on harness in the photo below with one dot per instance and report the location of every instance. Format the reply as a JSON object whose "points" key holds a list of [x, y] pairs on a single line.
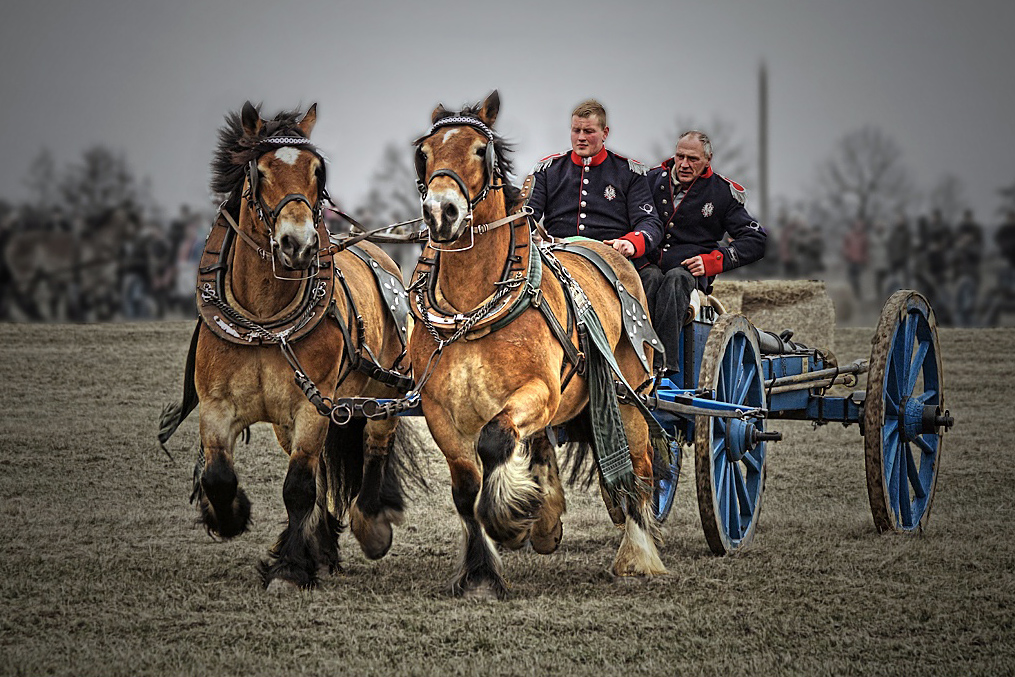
{"points": [[343, 409]]}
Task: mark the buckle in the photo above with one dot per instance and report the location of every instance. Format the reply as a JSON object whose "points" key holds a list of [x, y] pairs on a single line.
{"points": [[537, 297]]}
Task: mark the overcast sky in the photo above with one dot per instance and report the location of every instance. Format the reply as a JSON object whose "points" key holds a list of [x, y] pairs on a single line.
{"points": [[153, 79]]}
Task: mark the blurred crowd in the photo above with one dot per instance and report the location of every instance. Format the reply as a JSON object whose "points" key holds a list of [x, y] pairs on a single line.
{"points": [[115, 265], [120, 266], [966, 272]]}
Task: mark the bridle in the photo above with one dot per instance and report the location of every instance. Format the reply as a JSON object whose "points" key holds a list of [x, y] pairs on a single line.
{"points": [[269, 217], [492, 171]]}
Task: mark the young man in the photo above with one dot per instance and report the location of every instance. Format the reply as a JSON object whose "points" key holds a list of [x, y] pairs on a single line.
{"points": [[594, 192], [698, 207]]}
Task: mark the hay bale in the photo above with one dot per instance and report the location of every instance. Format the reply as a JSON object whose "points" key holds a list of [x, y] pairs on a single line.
{"points": [[774, 305]]}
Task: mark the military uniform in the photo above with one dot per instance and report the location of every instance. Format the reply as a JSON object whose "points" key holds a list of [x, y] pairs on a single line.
{"points": [[694, 221], [604, 197]]}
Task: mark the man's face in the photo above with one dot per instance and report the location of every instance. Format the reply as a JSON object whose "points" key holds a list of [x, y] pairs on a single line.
{"points": [[690, 159], [587, 135]]}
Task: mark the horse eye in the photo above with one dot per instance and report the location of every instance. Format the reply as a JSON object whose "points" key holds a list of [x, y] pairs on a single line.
{"points": [[481, 151]]}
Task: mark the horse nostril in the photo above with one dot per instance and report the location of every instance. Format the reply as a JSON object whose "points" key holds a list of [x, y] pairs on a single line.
{"points": [[287, 244], [450, 212], [428, 216]]}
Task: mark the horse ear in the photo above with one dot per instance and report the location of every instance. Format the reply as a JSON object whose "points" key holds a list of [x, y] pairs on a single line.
{"points": [[438, 112], [488, 113], [306, 125], [251, 119]]}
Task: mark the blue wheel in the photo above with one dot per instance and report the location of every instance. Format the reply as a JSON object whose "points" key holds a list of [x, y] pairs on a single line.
{"points": [[904, 414], [666, 487], [729, 459]]}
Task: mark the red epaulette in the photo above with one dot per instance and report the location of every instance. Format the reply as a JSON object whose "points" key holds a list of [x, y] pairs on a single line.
{"points": [[546, 162], [738, 191]]}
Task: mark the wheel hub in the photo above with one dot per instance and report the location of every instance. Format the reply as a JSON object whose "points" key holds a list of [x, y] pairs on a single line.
{"points": [[741, 437], [919, 419]]}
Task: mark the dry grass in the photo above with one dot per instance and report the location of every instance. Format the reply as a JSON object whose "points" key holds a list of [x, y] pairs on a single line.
{"points": [[103, 571]]}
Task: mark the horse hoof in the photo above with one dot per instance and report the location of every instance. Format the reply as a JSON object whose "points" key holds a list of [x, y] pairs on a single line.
{"points": [[484, 592], [548, 543], [280, 587], [374, 534]]}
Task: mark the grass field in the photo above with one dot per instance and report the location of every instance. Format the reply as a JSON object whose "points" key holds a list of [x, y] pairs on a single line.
{"points": [[103, 570]]}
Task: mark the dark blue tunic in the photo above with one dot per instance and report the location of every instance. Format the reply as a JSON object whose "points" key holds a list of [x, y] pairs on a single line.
{"points": [[604, 197]]}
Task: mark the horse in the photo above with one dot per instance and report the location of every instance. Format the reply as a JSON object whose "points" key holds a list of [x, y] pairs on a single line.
{"points": [[68, 274], [289, 329], [496, 370]]}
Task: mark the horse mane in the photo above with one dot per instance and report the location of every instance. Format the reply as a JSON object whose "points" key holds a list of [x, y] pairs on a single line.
{"points": [[512, 193], [236, 149]]}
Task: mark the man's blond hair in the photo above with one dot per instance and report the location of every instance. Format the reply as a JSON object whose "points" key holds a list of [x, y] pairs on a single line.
{"points": [[590, 107]]}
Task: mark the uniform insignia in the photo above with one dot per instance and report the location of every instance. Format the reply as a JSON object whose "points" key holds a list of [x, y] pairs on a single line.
{"points": [[610, 193], [637, 167], [707, 210]]}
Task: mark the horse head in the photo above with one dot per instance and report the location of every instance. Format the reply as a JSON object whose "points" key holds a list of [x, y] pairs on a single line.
{"points": [[284, 185], [456, 167]]}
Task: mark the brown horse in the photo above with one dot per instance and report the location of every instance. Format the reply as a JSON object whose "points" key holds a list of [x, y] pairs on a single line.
{"points": [[268, 314], [492, 386]]}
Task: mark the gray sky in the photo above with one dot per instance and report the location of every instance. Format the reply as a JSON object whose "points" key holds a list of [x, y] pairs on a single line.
{"points": [[153, 79]]}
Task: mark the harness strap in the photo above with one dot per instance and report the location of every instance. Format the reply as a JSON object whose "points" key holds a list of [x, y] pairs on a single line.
{"points": [[353, 350], [637, 326], [261, 251]]}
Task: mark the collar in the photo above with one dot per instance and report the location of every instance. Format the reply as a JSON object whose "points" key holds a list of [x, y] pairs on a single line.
{"points": [[673, 174], [596, 160]]}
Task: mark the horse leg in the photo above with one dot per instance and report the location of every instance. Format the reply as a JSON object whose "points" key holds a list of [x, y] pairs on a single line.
{"points": [[380, 502], [637, 555], [224, 507], [510, 497], [309, 541], [479, 571], [547, 530]]}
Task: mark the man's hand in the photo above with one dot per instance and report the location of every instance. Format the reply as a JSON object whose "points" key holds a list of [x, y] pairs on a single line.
{"points": [[625, 247], [695, 265]]}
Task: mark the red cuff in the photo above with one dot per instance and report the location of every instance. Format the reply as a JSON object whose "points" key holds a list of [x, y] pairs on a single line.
{"points": [[638, 240], [713, 262]]}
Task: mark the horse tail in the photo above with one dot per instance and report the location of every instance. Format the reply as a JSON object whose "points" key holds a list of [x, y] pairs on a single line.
{"points": [[174, 413], [404, 458], [343, 462]]}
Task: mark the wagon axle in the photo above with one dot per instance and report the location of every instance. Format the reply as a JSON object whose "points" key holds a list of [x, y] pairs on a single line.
{"points": [[743, 436], [920, 419]]}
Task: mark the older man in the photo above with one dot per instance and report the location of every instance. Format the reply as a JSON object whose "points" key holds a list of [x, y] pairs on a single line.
{"points": [[698, 207], [594, 192]]}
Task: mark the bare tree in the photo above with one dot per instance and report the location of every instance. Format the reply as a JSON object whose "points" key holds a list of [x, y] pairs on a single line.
{"points": [[1007, 199], [863, 179], [949, 197], [730, 153], [393, 198], [41, 181], [102, 180]]}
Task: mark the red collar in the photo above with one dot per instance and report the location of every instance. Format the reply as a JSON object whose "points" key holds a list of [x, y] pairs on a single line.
{"points": [[597, 159], [704, 175]]}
